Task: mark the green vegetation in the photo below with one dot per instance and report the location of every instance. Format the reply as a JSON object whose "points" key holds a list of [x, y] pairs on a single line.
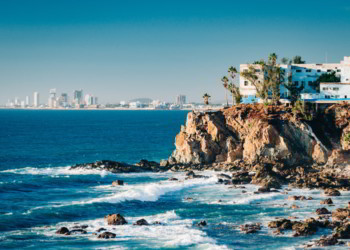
{"points": [[298, 60], [231, 87], [326, 77], [347, 138], [294, 89], [299, 108], [206, 98]]}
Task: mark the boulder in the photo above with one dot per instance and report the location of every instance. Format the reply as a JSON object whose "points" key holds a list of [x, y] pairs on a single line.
{"points": [[326, 241], [296, 198], [141, 222], [78, 231], [202, 223], [63, 230], [115, 219], [343, 231], [327, 201], [332, 192], [250, 228], [340, 214], [322, 210], [107, 235], [117, 183], [101, 229]]}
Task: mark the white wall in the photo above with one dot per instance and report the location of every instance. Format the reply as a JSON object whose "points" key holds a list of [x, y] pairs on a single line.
{"points": [[333, 90]]}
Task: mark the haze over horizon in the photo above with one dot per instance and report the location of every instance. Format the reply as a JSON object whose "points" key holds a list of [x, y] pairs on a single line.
{"points": [[157, 49]]}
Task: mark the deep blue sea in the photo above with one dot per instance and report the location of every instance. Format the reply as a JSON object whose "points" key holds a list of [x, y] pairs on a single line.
{"points": [[39, 193]]}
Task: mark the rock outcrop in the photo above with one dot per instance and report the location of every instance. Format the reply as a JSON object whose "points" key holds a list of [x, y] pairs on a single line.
{"points": [[246, 132]]}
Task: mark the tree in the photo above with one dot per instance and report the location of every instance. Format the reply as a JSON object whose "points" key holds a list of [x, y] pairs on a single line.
{"points": [[294, 89], [274, 77], [206, 98], [298, 60], [325, 77], [232, 87], [252, 75], [225, 82], [285, 60]]}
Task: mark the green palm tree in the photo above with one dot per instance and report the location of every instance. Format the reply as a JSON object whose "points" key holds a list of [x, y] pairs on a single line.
{"points": [[273, 58], [225, 84], [206, 98]]}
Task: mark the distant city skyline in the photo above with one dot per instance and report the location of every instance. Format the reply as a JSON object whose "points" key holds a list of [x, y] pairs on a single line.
{"points": [[156, 49]]}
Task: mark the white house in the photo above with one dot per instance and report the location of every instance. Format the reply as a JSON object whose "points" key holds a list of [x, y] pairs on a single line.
{"points": [[305, 74]]}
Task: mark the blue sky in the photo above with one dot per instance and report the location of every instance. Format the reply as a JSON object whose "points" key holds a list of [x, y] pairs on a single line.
{"points": [[119, 50]]}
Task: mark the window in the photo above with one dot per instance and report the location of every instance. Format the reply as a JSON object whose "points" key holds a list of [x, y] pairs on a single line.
{"points": [[336, 89], [257, 70], [302, 82], [246, 83], [327, 96], [338, 70], [346, 96], [298, 70], [296, 82], [337, 96], [310, 82], [318, 70], [325, 88], [308, 70], [329, 70]]}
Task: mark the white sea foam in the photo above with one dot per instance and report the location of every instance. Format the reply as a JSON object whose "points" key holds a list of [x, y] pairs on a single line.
{"points": [[56, 171], [150, 191], [173, 232]]}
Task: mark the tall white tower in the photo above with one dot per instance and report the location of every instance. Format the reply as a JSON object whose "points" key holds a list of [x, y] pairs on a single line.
{"points": [[27, 101], [36, 99]]}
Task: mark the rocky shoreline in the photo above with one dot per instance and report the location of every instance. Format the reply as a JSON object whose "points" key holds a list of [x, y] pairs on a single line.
{"points": [[270, 149]]}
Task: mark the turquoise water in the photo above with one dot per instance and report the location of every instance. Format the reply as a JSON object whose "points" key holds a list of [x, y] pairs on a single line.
{"points": [[39, 193]]}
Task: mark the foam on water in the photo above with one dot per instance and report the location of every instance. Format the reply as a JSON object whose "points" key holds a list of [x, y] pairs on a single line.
{"points": [[173, 232], [150, 191], [56, 171]]}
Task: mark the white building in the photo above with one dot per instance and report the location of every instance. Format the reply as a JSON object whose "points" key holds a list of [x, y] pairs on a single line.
{"points": [[52, 99], [27, 101], [180, 100], [36, 100], [134, 105], [305, 74]]}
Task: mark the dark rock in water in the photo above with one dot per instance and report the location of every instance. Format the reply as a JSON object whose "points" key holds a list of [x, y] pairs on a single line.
{"points": [[278, 232], [309, 227], [192, 175], [107, 235], [173, 179], [343, 232], [202, 223], [101, 229], [332, 192], [327, 201], [141, 222], [281, 224], [250, 228], [326, 241], [80, 227], [157, 223], [264, 190], [296, 198], [115, 219], [220, 181], [63, 230], [117, 183], [78, 231], [322, 210], [120, 167], [189, 199], [224, 176]]}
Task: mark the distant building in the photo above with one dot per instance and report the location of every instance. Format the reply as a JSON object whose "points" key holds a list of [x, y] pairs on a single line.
{"points": [[135, 104], [63, 100], [302, 74], [52, 99], [89, 100], [36, 102], [23, 104], [330, 90], [180, 100], [27, 101], [78, 97]]}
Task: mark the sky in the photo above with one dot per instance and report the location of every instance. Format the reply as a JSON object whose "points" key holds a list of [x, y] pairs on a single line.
{"points": [[120, 50]]}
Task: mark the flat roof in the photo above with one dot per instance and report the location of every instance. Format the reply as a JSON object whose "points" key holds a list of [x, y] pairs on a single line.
{"points": [[340, 83]]}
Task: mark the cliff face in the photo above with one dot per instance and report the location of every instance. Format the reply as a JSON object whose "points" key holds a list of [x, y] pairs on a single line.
{"points": [[247, 132]]}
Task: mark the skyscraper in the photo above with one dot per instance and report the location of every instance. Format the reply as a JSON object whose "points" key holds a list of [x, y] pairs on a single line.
{"points": [[180, 100], [78, 97], [36, 99], [52, 98], [27, 101]]}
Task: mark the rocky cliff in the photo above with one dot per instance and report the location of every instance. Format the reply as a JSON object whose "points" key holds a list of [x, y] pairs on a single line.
{"points": [[251, 133]]}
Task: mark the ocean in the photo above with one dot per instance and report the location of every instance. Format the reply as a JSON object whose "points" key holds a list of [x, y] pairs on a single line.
{"points": [[39, 193]]}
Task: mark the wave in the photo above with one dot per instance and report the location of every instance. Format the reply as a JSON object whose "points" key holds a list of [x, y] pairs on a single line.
{"points": [[150, 191], [173, 232], [56, 171]]}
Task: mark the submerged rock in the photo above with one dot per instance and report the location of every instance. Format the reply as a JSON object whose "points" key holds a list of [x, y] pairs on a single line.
{"points": [[327, 201], [115, 219], [250, 228], [202, 223], [117, 183], [107, 235], [63, 230], [141, 222]]}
